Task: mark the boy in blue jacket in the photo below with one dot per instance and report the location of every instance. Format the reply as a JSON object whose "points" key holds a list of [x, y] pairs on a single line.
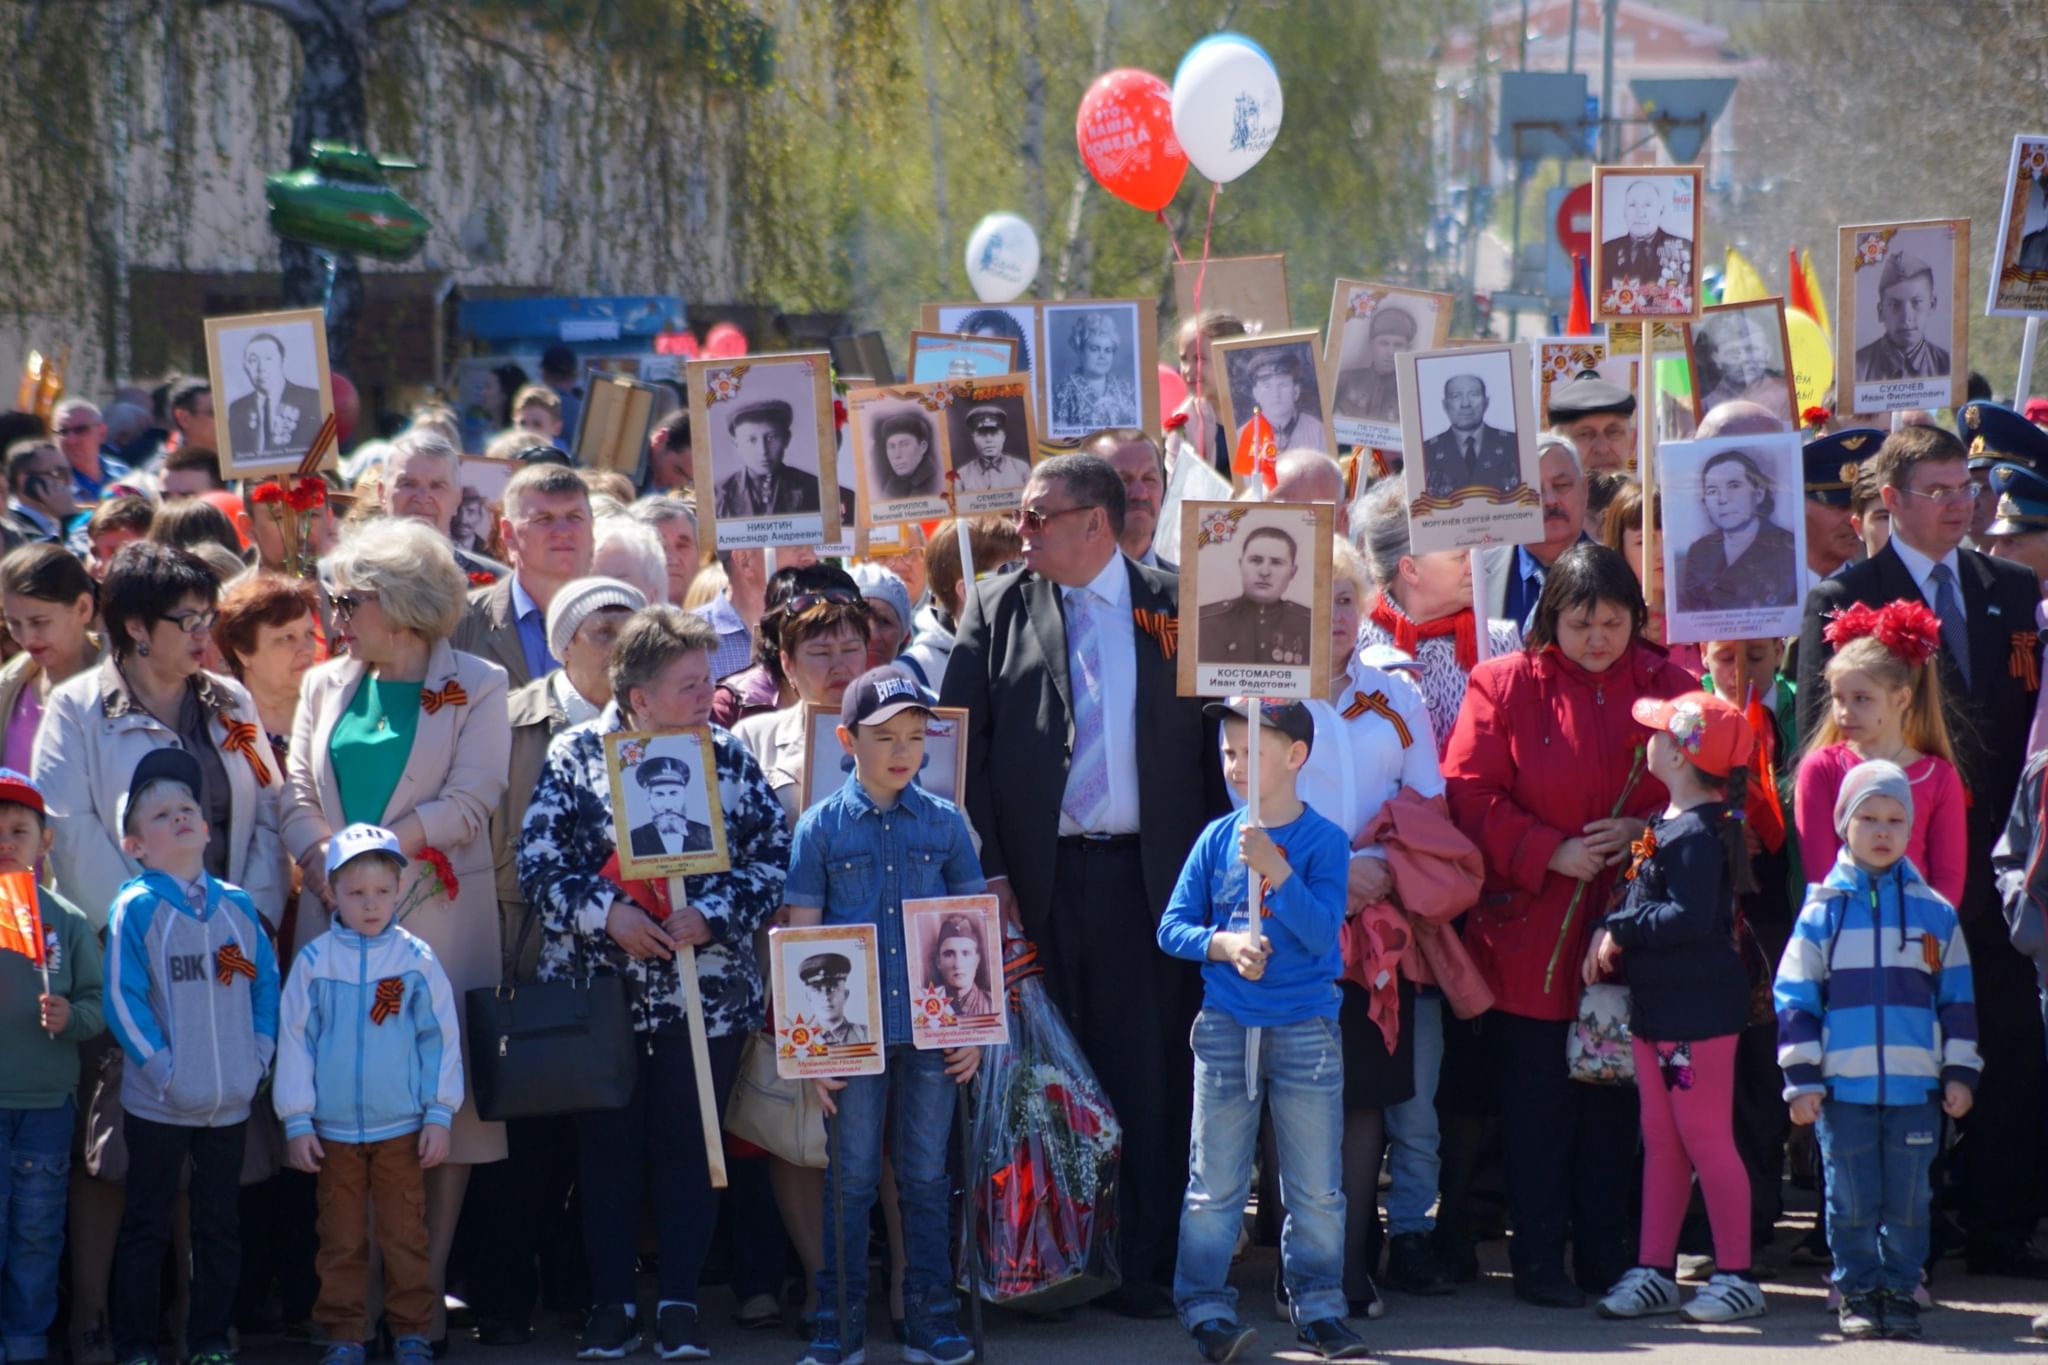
{"points": [[1877, 1035], [192, 991], [369, 1076], [1268, 1020]]}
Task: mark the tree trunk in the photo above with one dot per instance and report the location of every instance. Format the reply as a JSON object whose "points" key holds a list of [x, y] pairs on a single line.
{"points": [[328, 106], [931, 102], [1033, 148]]}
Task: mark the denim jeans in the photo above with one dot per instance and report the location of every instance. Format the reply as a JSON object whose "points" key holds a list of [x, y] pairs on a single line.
{"points": [[1411, 1127], [1301, 1074], [913, 1099], [1877, 1159], [35, 1175]]}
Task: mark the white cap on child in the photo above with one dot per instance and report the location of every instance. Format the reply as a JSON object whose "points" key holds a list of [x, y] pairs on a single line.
{"points": [[357, 840]]}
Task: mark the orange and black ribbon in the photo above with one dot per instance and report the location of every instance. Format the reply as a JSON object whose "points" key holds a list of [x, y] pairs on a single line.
{"points": [[229, 961], [451, 694], [1930, 952], [1163, 628], [2023, 664], [241, 739], [390, 995], [1378, 704], [1643, 850]]}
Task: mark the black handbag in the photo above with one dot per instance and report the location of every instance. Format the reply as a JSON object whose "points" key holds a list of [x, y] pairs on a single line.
{"points": [[542, 1048]]}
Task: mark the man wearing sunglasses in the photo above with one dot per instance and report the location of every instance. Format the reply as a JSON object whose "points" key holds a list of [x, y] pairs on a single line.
{"points": [[1067, 671], [82, 436]]}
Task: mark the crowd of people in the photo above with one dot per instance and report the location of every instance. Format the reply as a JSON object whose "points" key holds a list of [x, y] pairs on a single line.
{"points": [[1543, 900]]}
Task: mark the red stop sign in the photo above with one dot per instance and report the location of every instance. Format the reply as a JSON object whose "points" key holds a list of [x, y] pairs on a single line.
{"points": [[1575, 221]]}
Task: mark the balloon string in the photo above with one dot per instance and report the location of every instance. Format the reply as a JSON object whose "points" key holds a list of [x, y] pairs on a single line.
{"points": [[1201, 273]]}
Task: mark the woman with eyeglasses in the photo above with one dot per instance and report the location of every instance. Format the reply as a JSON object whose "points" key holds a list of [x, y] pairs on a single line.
{"points": [[408, 733], [762, 686]]}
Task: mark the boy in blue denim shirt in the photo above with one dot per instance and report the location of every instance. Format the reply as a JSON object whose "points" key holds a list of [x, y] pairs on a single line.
{"points": [[1268, 1028], [858, 855]]}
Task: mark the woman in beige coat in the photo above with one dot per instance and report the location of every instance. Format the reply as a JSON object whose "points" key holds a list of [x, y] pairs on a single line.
{"points": [[407, 733]]}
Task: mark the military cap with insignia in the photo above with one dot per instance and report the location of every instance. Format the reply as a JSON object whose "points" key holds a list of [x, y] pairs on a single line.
{"points": [[986, 415], [772, 412], [821, 967], [1997, 435], [2022, 500], [1388, 320], [1283, 361], [1586, 394], [1831, 463], [663, 769], [1901, 266]]}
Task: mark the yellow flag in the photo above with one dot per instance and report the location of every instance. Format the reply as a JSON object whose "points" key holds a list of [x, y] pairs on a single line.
{"points": [[1739, 281], [1815, 292]]}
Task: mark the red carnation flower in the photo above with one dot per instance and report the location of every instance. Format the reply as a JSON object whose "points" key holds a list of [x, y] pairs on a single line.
{"points": [[1177, 421], [267, 491], [443, 869], [1815, 416]]}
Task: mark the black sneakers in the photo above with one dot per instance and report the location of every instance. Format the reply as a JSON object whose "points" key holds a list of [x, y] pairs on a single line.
{"points": [[677, 1335], [1332, 1339], [1413, 1268], [1219, 1339], [611, 1334]]}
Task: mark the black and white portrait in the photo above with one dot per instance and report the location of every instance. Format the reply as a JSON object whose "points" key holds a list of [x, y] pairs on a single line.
{"points": [[988, 430], [270, 388], [1257, 575], [1279, 376], [483, 495], [766, 423], [1468, 424], [1647, 223], [828, 1001], [1738, 353], [1734, 527], [665, 811], [1905, 326], [1468, 441], [1094, 369], [1370, 324], [899, 453], [956, 971], [2019, 272]]}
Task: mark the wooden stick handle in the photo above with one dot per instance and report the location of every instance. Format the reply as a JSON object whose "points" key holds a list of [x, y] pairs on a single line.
{"points": [[700, 1048]]}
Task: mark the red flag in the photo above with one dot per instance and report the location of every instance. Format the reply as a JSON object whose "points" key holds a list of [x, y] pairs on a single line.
{"points": [[1257, 451], [1766, 813], [21, 916], [1579, 322], [651, 895], [1797, 295]]}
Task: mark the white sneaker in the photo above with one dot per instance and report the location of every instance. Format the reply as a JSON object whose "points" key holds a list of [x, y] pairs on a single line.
{"points": [[1725, 1298], [1640, 1293]]}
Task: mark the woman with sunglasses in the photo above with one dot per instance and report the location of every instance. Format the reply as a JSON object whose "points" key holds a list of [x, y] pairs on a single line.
{"points": [[762, 686], [406, 732]]}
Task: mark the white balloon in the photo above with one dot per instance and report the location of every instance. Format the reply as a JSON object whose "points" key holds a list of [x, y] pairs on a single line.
{"points": [[1002, 257], [1226, 105]]}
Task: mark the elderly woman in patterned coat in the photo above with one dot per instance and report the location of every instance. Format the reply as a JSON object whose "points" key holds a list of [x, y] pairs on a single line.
{"points": [[661, 680]]}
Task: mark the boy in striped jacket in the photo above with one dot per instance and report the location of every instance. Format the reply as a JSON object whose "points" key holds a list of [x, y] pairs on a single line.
{"points": [[1877, 1035]]}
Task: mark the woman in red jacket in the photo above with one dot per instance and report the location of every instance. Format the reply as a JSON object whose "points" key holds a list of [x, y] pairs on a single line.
{"points": [[1544, 774]]}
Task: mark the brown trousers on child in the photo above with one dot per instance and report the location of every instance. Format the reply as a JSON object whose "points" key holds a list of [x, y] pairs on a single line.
{"points": [[354, 1177]]}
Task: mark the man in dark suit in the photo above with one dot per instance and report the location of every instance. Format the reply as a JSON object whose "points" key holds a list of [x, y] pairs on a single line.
{"points": [[764, 486], [1637, 254], [280, 418], [1067, 671], [1139, 462], [547, 533], [1986, 608], [669, 829], [1470, 453]]}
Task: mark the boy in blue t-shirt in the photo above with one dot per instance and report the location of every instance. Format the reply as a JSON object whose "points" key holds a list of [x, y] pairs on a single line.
{"points": [[1268, 1021], [858, 855]]}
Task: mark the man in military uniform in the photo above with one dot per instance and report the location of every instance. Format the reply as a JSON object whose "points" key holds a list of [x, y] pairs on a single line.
{"points": [[1638, 254], [993, 468], [1277, 389], [1599, 417], [1906, 298], [1471, 453], [824, 976], [1259, 626], [1741, 365], [2020, 530], [1829, 468], [671, 830], [764, 486], [1367, 391]]}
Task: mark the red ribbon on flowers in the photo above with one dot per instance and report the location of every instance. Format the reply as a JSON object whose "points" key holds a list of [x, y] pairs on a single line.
{"points": [[241, 739], [452, 694]]}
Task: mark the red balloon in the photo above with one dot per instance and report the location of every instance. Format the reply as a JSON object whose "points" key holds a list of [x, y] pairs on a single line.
{"points": [[1173, 390], [348, 405], [1124, 128], [725, 341]]}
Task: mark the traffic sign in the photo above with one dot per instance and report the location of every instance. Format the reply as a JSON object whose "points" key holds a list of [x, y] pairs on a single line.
{"points": [[1574, 221]]}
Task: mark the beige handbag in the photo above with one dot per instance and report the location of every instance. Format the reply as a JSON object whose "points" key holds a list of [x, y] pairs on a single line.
{"points": [[782, 1117]]}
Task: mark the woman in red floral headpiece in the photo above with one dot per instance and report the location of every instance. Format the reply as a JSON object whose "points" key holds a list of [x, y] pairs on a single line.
{"points": [[1884, 701]]}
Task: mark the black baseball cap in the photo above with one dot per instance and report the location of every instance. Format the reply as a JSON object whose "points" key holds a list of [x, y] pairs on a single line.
{"points": [[168, 765], [878, 694], [1290, 718], [540, 452]]}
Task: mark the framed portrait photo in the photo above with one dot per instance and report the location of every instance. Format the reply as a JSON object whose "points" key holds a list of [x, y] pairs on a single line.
{"points": [[1280, 375], [947, 355], [271, 392], [617, 418], [1734, 536], [1902, 340], [1101, 366], [1252, 289], [1468, 440], [1370, 324], [1016, 321], [483, 500], [992, 442], [955, 949], [666, 816], [2019, 267], [1646, 224], [828, 1001], [899, 452], [1740, 352], [1257, 577], [763, 435], [1559, 360], [827, 765]]}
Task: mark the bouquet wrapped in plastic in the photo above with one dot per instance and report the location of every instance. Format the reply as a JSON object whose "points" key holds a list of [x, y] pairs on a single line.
{"points": [[1041, 1201]]}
